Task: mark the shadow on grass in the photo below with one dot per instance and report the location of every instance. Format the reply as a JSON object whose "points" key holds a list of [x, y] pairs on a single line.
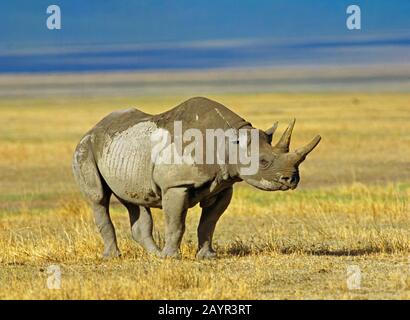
{"points": [[242, 249], [335, 252]]}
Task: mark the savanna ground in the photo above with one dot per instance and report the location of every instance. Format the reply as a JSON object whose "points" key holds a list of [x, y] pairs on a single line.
{"points": [[350, 209]]}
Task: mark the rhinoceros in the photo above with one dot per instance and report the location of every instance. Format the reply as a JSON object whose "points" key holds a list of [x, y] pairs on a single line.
{"points": [[115, 157]]}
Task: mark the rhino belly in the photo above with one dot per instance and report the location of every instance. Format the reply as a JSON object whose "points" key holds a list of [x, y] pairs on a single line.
{"points": [[126, 166]]}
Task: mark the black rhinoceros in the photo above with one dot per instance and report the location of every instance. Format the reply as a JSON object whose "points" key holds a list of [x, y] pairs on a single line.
{"points": [[116, 157]]}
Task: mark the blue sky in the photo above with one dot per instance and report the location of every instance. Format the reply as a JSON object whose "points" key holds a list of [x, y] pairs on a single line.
{"points": [[141, 22]]}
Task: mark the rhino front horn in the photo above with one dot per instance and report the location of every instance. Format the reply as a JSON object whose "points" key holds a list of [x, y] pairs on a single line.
{"points": [[284, 142], [304, 151]]}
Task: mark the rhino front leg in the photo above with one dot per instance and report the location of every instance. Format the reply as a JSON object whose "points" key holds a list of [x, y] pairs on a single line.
{"points": [[141, 227], [209, 217], [174, 204]]}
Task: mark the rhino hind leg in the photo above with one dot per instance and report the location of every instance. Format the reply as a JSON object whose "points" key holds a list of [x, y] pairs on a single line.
{"points": [[106, 228], [98, 193], [209, 217], [141, 227]]}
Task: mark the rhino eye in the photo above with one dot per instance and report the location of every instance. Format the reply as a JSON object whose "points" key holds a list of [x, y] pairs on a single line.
{"points": [[264, 163]]}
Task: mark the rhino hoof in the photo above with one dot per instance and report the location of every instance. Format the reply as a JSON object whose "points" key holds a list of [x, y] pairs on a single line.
{"points": [[206, 254], [155, 253], [111, 254], [170, 254]]}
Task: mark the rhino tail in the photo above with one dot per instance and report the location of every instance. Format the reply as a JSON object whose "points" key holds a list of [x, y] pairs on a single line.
{"points": [[86, 172]]}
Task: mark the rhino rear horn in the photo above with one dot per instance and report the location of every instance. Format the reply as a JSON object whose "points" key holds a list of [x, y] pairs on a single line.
{"points": [[271, 131], [284, 142]]}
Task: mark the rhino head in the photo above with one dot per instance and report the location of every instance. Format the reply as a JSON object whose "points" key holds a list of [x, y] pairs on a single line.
{"points": [[279, 167]]}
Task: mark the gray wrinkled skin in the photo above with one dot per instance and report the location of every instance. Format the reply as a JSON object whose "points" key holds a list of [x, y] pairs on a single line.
{"points": [[114, 157]]}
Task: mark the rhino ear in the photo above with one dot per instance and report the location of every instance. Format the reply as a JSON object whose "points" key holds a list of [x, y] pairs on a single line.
{"points": [[271, 131]]}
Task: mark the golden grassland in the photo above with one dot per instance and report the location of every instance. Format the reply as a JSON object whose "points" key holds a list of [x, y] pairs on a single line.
{"points": [[351, 207]]}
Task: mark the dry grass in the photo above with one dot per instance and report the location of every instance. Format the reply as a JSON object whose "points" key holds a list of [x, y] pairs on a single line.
{"points": [[351, 208]]}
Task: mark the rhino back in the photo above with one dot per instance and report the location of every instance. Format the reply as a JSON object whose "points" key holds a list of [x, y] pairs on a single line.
{"points": [[200, 113]]}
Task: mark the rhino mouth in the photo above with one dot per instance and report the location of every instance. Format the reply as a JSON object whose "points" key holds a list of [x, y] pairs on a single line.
{"points": [[272, 185], [285, 187]]}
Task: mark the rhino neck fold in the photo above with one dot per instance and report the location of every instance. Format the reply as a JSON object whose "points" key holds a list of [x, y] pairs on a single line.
{"points": [[227, 175]]}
